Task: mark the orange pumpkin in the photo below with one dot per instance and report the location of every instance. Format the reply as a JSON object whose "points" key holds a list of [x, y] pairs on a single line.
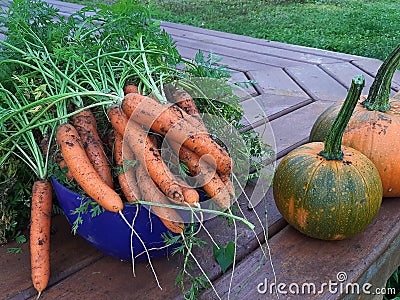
{"points": [[374, 128]]}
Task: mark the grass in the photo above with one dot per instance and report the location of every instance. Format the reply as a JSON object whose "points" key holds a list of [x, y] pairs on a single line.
{"points": [[368, 28]]}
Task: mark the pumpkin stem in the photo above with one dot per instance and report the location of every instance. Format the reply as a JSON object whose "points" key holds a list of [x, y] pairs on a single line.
{"points": [[333, 142], [379, 93]]}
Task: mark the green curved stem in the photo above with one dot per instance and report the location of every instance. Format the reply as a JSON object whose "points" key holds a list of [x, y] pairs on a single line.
{"points": [[379, 93], [333, 142]]}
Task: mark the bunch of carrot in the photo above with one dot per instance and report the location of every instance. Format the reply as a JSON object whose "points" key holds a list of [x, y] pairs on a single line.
{"points": [[138, 125]]}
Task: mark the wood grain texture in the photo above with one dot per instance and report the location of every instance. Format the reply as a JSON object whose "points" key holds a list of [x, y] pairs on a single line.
{"points": [[298, 259], [68, 254]]}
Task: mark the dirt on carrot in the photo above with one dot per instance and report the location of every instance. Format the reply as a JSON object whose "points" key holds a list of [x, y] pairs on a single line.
{"points": [[40, 234], [159, 118], [86, 125], [169, 216], [83, 171], [126, 174]]}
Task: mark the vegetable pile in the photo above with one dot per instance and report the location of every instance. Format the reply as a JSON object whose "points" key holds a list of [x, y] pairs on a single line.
{"points": [[98, 100]]}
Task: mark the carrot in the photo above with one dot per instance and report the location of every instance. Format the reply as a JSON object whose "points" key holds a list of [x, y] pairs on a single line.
{"points": [[185, 102], [126, 177], [130, 88], [169, 216], [83, 171], [86, 125], [146, 153], [40, 234], [190, 195], [209, 179], [159, 118], [228, 183]]}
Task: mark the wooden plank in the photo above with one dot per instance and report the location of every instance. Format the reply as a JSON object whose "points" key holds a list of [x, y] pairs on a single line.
{"points": [[274, 80], [239, 55], [300, 260], [65, 7], [371, 66], [15, 275], [240, 77], [267, 107], [251, 48], [344, 72], [232, 63], [258, 41], [317, 83], [292, 129], [110, 278]]}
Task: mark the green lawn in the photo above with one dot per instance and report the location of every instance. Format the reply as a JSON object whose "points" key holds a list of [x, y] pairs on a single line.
{"points": [[363, 27]]}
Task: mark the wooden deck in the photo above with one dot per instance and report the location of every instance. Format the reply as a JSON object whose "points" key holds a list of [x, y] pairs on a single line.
{"points": [[294, 85]]}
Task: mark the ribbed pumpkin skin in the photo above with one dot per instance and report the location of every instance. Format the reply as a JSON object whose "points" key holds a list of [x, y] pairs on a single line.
{"points": [[375, 134], [327, 199]]}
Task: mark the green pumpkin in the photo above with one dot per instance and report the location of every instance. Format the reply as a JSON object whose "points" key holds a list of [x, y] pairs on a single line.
{"points": [[327, 191]]}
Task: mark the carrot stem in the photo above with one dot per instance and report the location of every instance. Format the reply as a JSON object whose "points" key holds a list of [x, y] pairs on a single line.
{"points": [[204, 210]]}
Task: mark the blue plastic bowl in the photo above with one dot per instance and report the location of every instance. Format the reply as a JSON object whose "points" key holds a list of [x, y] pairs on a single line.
{"points": [[110, 234]]}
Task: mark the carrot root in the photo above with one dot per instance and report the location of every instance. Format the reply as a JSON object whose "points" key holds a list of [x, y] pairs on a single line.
{"points": [[130, 88], [159, 118], [83, 171], [86, 125], [126, 177], [169, 216], [210, 180], [146, 153], [40, 234]]}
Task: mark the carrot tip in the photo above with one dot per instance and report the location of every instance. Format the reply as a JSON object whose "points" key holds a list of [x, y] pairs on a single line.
{"points": [[39, 294]]}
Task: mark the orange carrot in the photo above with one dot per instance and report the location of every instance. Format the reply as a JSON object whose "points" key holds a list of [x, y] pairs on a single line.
{"points": [[169, 216], [146, 153], [130, 88], [126, 177], [185, 102], [86, 125], [228, 183], [83, 171], [190, 195], [40, 234], [159, 118], [209, 179], [186, 108]]}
